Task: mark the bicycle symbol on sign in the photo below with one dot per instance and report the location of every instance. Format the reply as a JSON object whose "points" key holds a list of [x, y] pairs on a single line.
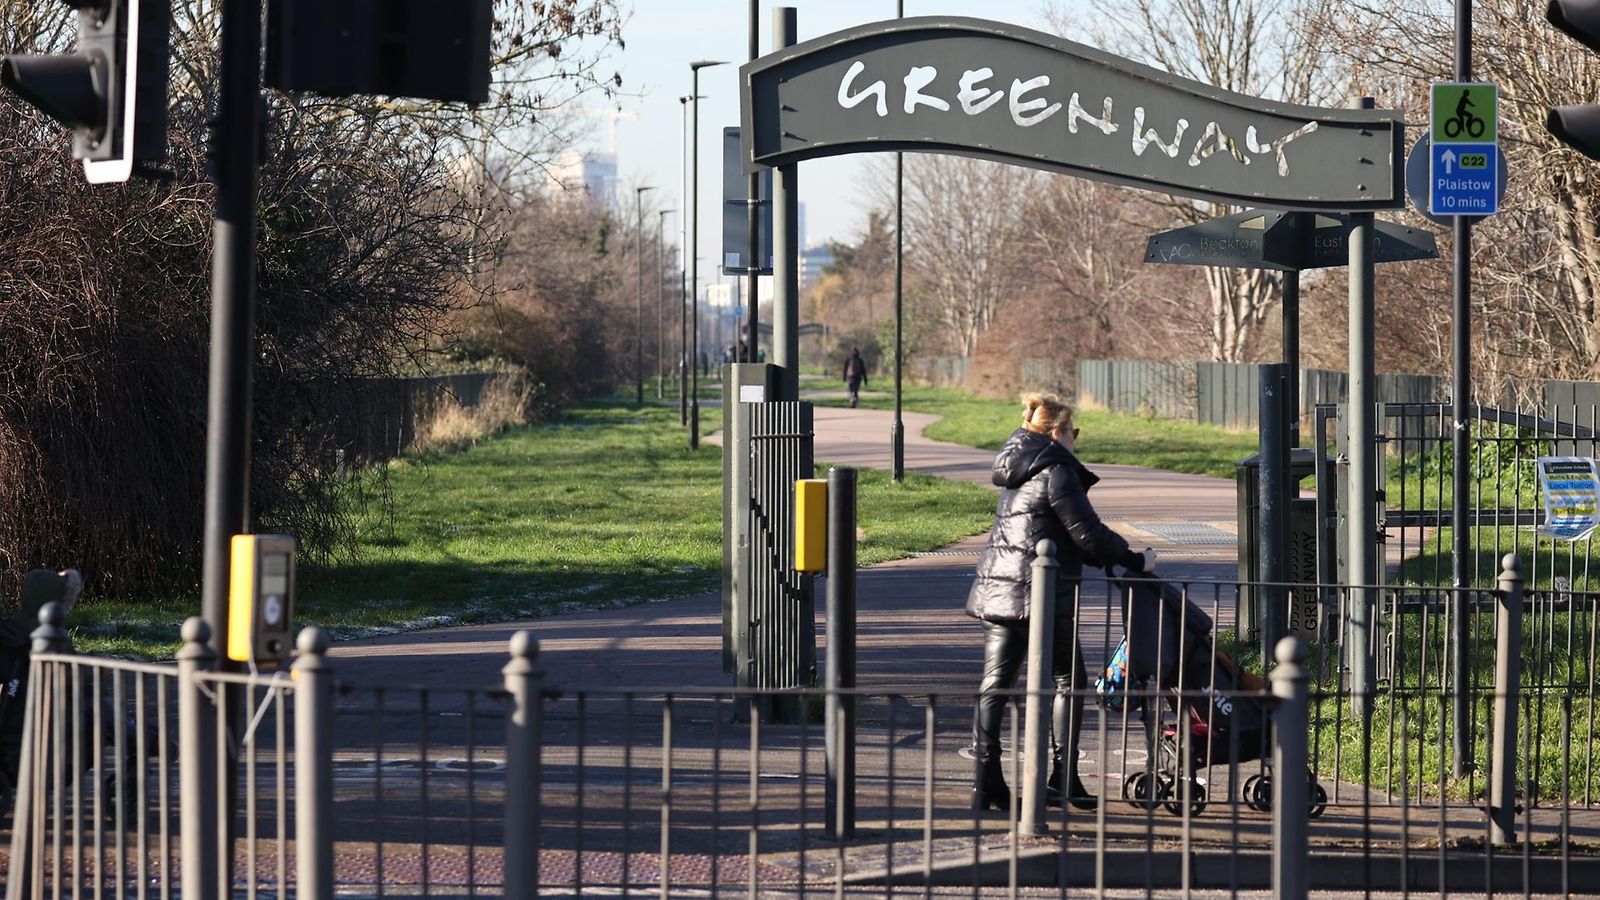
{"points": [[1464, 120]]}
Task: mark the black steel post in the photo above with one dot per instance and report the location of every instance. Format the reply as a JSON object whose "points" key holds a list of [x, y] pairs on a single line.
{"points": [[1461, 394], [638, 310], [897, 431], [233, 290], [683, 273], [235, 141], [1291, 338], [661, 306], [753, 221], [1273, 568], [693, 250], [840, 730], [785, 244], [1362, 449]]}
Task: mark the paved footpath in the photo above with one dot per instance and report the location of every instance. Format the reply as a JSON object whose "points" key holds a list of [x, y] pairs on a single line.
{"points": [[605, 756], [911, 622]]}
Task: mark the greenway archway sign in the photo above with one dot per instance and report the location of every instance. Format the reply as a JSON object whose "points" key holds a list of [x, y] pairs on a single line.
{"points": [[1001, 92], [1013, 95]]}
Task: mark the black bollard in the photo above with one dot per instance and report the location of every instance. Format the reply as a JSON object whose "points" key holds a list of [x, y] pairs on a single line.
{"points": [[840, 730]]}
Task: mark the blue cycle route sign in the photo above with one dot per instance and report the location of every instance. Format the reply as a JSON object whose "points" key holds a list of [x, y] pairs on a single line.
{"points": [[1464, 156]]}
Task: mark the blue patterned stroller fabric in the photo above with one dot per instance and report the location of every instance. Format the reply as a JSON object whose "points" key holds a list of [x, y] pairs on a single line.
{"points": [[1113, 686]]}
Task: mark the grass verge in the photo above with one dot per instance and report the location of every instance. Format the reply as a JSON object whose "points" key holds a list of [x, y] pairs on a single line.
{"points": [[1107, 437], [604, 507]]}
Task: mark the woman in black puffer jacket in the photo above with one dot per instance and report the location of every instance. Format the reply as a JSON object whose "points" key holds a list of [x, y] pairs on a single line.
{"points": [[1044, 495]]}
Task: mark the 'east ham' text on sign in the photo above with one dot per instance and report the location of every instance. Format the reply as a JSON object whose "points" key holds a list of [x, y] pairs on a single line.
{"points": [[977, 88]]}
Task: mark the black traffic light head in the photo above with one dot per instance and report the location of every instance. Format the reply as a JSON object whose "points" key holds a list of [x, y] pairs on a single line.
{"points": [[1578, 19], [111, 91], [1577, 126], [427, 49], [70, 89]]}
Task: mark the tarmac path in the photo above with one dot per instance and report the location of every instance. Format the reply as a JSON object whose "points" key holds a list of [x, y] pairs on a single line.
{"points": [[911, 611], [438, 766]]}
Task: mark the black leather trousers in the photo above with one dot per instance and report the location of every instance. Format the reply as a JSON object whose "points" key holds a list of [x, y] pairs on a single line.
{"points": [[1005, 648]]}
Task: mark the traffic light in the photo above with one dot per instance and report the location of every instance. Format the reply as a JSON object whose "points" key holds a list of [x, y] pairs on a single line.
{"points": [[1577, 126], [426, 49], [111, 90]]}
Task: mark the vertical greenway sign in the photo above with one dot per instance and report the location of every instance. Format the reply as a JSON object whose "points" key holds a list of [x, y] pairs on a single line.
{"points": [[1464, 151], [996, 91]]}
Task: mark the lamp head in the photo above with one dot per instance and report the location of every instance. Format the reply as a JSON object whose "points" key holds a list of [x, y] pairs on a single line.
{"points": [[697, 65]]}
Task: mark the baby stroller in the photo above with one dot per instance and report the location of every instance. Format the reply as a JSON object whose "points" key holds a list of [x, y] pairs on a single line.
{"points": [[1168, 646]]}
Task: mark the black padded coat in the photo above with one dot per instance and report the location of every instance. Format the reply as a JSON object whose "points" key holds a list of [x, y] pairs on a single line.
{"points": [[1044, 494]]}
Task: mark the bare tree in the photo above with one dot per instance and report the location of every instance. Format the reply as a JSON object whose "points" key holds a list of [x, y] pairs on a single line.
{"points": [[1261, 48], [364, 246], [966, 245], [1089, 252], [1537, 263]]}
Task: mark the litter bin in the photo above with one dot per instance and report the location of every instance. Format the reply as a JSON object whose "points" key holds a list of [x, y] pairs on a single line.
{"points": [[1303, 604]]}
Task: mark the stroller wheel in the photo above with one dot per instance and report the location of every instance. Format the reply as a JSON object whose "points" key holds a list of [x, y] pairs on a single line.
{"points": [[1197, 799], [1146, 790], [1319, 799], [1258, 793]]}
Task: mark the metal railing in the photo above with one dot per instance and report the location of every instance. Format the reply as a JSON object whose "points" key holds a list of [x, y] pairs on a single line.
{"points": [[523, 790]]}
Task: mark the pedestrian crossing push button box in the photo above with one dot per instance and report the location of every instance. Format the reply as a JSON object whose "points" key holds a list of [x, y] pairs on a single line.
{"points": [[261, 599], [810, 525]]}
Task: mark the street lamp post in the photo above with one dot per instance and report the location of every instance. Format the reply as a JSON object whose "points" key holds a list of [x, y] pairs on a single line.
{"points": [[638, 252], [661, 307], [694, 240], [897, 430], [683, 268]]}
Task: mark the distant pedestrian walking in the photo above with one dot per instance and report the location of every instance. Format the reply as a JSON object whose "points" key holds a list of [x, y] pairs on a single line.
{"points": [[855, 375]]}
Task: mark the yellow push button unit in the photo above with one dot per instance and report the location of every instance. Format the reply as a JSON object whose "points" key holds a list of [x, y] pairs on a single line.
{"points": [[811, 525], [261, 599]]}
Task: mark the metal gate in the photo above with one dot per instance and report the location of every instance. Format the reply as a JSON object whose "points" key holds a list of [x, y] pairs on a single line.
{"points": [[779, 645]]}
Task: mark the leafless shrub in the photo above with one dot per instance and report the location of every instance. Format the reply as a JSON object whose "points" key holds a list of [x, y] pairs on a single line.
{"points": [[364, 249]]}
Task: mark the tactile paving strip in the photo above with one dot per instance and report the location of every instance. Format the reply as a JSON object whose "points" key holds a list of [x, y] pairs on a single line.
{"points": [[1187, 532]]}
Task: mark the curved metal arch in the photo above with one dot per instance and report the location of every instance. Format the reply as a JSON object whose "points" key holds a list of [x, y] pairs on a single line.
{"points": [[995, 91]]}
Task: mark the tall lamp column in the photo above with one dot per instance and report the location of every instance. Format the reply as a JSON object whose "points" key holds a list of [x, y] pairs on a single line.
{"points": [[661, 307], [694, 247], [638, 308], [897, 430], [683, 268]]}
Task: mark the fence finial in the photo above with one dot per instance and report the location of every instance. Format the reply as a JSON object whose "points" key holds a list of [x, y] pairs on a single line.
{"points": [[1511, 567], [312, 641], [524, 650], [1045, 549], [1291, 651], [51, 635], [196, 640]]}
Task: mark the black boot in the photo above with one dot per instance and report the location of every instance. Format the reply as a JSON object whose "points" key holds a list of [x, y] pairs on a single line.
{"points": [[1076, 794], [989, 790]]}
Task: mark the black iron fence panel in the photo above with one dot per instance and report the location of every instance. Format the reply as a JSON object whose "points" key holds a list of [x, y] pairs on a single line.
{"points": [[1417, 510], [1194, 746], [95, 812], [782, 641]]}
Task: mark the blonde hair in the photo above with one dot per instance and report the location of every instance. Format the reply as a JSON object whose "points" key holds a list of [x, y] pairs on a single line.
{"points": [[1044, 413]]}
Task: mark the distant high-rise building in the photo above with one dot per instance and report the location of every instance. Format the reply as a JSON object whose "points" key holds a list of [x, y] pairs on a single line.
{"points": [[813, 260], [586, 172]]}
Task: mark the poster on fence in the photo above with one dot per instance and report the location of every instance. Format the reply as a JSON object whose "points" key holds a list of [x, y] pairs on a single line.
{"points": [[1571, 492]]}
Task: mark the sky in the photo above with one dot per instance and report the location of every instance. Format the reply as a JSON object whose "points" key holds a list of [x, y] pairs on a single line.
{"points": [[663, 36]]}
